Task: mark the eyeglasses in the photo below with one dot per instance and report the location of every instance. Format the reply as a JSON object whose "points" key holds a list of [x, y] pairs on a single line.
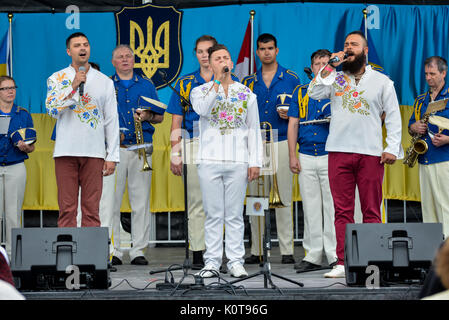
{"points": [[8, 88]]}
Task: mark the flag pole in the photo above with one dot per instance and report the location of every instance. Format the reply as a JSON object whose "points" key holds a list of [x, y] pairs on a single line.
{"points": [[366, 29], [251, 59], [9, 63]]}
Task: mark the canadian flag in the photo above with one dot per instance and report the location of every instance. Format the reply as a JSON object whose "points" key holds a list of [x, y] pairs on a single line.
{"points": [[245, 62]]}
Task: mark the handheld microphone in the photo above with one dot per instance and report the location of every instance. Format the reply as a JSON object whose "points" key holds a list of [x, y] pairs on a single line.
{"points": [[225, 69], [337, 59], [309, 72], [81, 87]]}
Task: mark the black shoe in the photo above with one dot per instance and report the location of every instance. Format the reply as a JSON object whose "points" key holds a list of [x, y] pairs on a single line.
{"points": [[198, 262], [116, 261], [140, 260], [306, 266], [287, 259], [252, 259]]}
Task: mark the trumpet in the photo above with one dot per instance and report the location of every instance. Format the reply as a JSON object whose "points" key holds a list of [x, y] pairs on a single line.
{"points": [[275, 198], [141, 145]]}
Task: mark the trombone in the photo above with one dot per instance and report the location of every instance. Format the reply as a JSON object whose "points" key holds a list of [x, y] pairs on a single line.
{"points": [[269, 168]]}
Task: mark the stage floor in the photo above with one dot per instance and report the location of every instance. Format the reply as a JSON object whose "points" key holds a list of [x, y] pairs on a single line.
{"points": [[132, 282]]}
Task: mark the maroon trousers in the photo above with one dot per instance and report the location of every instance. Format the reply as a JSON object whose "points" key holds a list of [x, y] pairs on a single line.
{"points": [[346, 170], [72, 173]]}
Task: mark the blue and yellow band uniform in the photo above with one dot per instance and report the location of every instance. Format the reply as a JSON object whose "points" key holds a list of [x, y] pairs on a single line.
{"points": [[319, 230], [129, 172], [433, 165], [268, 99], [12, 167]]}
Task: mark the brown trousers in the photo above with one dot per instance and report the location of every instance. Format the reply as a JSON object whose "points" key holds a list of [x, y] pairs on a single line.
{"points": [[72, 173]]}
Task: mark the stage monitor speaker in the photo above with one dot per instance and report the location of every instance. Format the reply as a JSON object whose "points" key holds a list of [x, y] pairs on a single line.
{"points": [[45, 258], [402, 252]]}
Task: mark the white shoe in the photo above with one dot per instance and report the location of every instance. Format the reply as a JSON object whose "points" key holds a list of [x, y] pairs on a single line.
{"points": [[338, 271], [208, 271], [237, 271]]}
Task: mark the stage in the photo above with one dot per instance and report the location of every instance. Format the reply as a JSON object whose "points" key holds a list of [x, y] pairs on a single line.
{"points": [[132, 282]]}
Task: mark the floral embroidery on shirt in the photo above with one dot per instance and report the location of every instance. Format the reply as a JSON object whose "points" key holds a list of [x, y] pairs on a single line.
{"points": [[351, 98], [230, 113], [86, 111]]}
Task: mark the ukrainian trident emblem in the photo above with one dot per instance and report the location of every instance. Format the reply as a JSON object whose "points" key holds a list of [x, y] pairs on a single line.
{"points": [[154, 34]]}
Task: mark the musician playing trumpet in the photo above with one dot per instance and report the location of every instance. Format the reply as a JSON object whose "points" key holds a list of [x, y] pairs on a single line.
{"points": [[434, 164], [133, 92], [311, 167]]}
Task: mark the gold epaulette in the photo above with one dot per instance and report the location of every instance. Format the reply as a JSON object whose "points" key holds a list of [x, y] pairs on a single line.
{"points": [[21, 108], [248, 78], [418, 104], [292, 73], [185, 90]]}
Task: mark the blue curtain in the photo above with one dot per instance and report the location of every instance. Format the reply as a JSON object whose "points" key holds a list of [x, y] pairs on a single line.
{"points": [[407, 35]]}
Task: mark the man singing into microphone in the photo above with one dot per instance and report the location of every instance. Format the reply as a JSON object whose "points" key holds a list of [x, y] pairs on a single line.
{"points": [[359, 96], [230, 155], [87, 147]]}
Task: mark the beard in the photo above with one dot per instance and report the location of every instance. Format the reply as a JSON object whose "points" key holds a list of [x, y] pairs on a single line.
{"points": [[354, 66]]}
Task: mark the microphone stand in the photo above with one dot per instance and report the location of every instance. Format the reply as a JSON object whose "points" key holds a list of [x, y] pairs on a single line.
{"points": [[186, 105]]}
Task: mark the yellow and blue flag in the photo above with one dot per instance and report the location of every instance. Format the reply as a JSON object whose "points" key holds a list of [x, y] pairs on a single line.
{"points": [[5, 54]]}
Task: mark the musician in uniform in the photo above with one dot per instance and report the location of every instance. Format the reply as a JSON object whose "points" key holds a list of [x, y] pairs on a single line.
{"points": [[17, 137], [359, 96], [434, 164], [273, 84], [133, 93], [311, 167]]}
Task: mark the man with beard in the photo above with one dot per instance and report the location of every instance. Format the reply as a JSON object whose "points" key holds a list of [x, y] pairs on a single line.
{"points": [[359, 96]]}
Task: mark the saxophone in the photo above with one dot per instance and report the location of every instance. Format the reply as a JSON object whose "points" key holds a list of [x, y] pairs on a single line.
{"points": [[140, 142], [417, 146]]}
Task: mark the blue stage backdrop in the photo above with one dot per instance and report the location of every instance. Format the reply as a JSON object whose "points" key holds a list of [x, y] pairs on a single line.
{"points": [[403, 37]]}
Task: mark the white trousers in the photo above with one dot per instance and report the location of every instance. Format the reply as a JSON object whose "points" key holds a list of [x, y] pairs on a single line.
{"points": [[197, 217], [433, 182], [318, 207], [284, 216], [12, 191], [139, 185], [223, 186]]}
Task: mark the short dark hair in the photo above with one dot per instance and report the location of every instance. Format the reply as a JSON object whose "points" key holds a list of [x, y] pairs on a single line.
{"points": [[217, 47], [319, 54], [440, 62], [266, 37], [205, 38], [359, 33], [74, 35]]}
